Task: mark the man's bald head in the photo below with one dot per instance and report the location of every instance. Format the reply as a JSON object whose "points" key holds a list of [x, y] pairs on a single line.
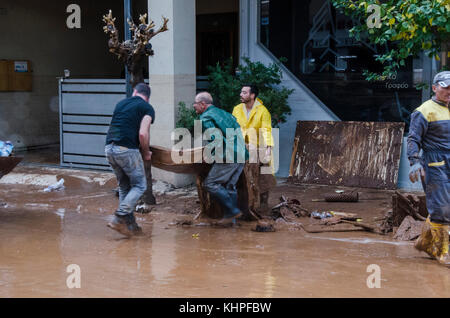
{"points": [[204, 97], [202, 101]]}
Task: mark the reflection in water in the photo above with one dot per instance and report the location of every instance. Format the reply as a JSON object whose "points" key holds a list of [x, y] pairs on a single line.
{"points": [[37, 246], [163, 254]]}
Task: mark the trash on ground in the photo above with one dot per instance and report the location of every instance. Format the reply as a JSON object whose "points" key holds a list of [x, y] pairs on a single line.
{"points": [[321, 215], [264, 226], [290, 207], [144, 208], [55, 187], [404, 204], [6, 148]]}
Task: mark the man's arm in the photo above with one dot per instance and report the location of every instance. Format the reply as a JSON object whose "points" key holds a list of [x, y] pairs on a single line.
{"points": [[417, 130], [144, 137]]}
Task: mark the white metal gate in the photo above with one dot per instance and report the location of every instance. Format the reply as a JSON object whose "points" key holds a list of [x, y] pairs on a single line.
{"points": [[85, 111]]}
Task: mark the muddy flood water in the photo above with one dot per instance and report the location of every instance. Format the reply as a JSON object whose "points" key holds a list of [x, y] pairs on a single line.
{"points": [[42, 234]]}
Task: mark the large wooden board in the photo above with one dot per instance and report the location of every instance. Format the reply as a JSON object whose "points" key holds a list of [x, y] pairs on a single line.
{"points": [[7, 164], [162, 159], [356, 154]]}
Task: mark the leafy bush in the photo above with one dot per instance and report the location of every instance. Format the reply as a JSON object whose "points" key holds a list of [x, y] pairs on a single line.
{"points": [[408, 26], [225, 87], [186, 117]]}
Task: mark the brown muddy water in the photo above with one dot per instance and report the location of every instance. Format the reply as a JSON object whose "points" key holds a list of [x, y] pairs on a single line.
{"points": [[42, 234]]}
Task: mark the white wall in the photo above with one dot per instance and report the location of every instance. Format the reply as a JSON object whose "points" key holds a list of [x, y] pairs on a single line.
{"points": [[172, 73], [37, 31]]}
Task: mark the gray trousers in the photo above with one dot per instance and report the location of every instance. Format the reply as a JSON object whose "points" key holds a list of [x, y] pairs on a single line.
{"points": [[224, 175]]}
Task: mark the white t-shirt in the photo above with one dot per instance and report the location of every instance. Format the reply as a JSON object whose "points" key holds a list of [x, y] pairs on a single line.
{"points": [[247, 112]]}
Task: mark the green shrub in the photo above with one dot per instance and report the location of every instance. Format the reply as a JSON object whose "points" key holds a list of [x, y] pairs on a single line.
{"points": [[186, 117], [225, 87]]}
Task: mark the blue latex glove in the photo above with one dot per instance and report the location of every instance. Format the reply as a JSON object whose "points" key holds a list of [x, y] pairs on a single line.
{"points": [[415, 171]]}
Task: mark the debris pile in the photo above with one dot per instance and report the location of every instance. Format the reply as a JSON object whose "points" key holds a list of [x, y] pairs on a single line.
{"points": [[264, 226], [327, 221], [6, 148], [407, 217], [409, 230], [289, 209], [404, 204]]}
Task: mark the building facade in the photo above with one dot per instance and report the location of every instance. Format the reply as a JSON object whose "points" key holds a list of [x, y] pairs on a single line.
{"points": [[324, 65]]}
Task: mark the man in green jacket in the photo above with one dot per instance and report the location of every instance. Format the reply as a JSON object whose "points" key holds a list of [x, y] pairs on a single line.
{"points": [[227, 153]]}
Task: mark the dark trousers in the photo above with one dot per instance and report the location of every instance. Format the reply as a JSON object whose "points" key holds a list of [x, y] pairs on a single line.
{"points": [[223, 175]]}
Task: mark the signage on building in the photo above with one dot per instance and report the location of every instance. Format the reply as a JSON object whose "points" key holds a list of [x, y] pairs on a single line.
{"points": [[20, 66]]}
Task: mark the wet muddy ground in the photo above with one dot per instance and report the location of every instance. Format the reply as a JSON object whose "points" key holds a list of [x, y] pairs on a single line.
{"points": [[41, 234]]}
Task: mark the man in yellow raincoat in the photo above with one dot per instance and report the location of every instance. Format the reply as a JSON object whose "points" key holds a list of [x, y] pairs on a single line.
{"points": [[256, 124]]}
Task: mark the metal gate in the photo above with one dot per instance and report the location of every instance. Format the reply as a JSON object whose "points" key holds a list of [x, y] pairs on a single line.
{"points": [[85, 111]]}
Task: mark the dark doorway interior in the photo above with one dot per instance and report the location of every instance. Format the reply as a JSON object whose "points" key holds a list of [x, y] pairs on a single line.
{"points": [[217, 40]]}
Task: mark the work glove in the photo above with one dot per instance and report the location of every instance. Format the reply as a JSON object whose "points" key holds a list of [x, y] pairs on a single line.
{"points": [[415, 171]]}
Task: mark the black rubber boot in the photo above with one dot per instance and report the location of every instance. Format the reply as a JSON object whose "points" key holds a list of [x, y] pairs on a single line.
{"points": [[228, 204], [133, 227], [120, 224], [232, 192]]}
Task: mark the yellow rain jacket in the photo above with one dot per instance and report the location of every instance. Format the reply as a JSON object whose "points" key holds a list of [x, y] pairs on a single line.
{"points": [[259, 119]]}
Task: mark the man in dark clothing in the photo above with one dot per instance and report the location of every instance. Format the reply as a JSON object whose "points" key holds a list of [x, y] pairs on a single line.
{"points": [[430, 132], [227, 168], [129, 131]]}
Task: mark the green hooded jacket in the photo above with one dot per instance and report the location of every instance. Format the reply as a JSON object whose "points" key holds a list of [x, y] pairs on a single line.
{"points": [[233, 144]]}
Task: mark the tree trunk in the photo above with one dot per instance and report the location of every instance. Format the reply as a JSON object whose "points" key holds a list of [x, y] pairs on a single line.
{"points": [[445, 53], [148, 196], [248, 194]]}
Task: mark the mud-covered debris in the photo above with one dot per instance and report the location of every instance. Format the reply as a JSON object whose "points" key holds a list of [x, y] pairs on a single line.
{"points": [[183, 222], [386, 225], [331, 221], [409, 230], [289, 209], [404, 204], [264, 226], [144, 208]]}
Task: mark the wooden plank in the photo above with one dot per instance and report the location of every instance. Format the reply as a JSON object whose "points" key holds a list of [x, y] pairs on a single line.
{"points": [[7, 164], [162, 159], [355, 154]]}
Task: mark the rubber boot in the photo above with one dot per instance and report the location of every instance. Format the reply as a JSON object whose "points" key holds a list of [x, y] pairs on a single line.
{"points": [[232, 192], [443, 256], [434, 241], [228, 204], [120, 224], [424, 242], [133, 227]]}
